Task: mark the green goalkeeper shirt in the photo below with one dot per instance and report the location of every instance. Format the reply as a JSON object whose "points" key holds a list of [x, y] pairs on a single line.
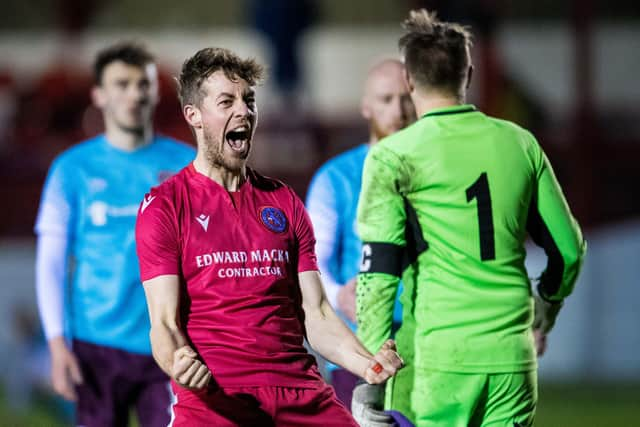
{"points": [[447, 204]]}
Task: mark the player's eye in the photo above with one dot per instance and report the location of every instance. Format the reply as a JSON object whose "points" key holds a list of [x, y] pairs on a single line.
{"points": [[387, 99]]}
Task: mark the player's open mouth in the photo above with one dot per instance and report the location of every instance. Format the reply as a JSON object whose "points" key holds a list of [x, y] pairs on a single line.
{"points": [[238, 138]]}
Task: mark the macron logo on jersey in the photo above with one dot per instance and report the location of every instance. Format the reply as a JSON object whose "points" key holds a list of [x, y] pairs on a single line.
{"points": [[203, 220], [146, 202]]}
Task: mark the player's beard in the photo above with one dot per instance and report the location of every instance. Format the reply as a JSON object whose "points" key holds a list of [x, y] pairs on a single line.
{"points": [[214, 151], [380, 131]]}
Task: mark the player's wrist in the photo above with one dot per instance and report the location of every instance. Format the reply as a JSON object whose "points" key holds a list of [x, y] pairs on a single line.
{"points": [[545, 302], [545, 314], [57, 344], [544, 297]]}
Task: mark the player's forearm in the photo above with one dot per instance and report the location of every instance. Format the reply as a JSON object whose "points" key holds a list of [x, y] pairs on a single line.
{"points": [[374, 305], [565, 249], [51, 256], [163, 296], [165, 340], [553, 227], [330, 337]]}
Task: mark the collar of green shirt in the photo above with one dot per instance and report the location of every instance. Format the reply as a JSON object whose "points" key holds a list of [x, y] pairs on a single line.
{"points": [[454, 109]]}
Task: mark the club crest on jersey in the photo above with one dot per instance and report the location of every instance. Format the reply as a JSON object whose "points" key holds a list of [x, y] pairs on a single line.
{"points": [[273, 218]]}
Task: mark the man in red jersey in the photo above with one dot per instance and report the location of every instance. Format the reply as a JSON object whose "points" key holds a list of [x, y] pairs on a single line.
{"points": [[229, 270]]}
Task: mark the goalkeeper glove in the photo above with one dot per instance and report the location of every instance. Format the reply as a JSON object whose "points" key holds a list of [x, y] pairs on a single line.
{"points": [[545, 314], [367, 406]]}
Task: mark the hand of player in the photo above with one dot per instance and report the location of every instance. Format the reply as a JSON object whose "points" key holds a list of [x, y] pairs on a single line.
{"points": [[346, 300], [367, 406], [385, 363], [545, 314], [65, 369], [187, 370], [540, 340]]}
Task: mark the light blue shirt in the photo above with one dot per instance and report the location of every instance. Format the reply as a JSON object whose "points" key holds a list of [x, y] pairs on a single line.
{"points": [[91, 196], [332, 202]]}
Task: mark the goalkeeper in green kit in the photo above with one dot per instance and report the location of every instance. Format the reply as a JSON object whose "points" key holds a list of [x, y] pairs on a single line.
{"points": [[446, 206]]}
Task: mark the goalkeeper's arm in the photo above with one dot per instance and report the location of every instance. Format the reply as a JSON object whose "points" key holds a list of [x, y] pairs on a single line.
{"points": [[552, 226]]}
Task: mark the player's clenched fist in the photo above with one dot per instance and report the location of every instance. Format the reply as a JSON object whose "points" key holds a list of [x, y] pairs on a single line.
{"points": [[187, 370], [385, 363]]}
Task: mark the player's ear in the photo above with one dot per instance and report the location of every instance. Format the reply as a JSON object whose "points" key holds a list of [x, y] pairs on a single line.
{"points": [[98, 97], [365, 109], [192, 115], [410, 82]]}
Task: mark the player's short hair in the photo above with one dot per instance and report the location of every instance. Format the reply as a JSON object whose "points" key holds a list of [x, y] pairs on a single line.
{"points": [[129, 52], [205, 62], [436, 52]]}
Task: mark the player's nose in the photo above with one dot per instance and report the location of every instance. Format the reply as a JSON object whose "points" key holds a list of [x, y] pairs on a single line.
{"points": [[241, 109], [137, 94]]}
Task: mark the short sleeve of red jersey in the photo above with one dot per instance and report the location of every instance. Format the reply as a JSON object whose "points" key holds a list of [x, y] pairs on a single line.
{"points": [[307, 260], [157, 242]]}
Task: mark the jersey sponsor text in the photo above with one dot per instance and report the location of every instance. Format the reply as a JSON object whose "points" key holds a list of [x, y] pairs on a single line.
{"points": [[242, 257]]}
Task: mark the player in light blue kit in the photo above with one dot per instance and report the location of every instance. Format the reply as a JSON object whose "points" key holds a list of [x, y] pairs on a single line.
{"points": [[332, 201], [87, 278]]}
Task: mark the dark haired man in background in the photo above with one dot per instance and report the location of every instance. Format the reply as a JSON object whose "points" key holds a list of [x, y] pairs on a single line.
{"points": [[88, 286]]}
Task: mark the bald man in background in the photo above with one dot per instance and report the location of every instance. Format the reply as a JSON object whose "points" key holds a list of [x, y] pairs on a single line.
{"points": [[333, 197]]}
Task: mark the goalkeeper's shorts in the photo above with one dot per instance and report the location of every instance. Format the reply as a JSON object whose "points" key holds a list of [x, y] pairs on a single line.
{"points": [[460, 400]]}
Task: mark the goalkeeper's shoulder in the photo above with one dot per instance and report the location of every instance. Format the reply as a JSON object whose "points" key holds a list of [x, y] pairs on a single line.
{"points": [[386, 153], [396, 142]]}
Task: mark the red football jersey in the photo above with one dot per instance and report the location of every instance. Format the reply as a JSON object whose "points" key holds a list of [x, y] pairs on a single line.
{"points": [[238, 255]]}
